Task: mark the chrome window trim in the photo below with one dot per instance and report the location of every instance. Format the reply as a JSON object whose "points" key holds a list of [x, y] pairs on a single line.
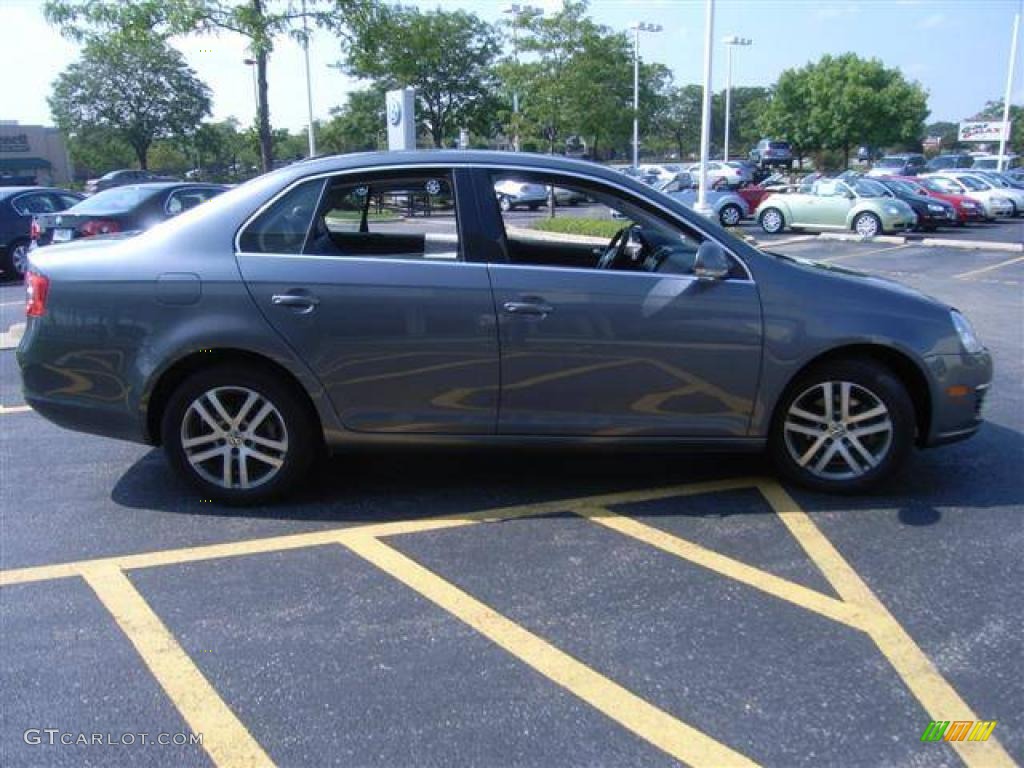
{"points": [[29, 193], [485, 166]]}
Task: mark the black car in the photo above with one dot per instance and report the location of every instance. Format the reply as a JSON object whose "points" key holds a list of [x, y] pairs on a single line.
{"points": [[121, 178], [899, 165], [931, 212], [17, 207], [944, 162], [123, 209]]}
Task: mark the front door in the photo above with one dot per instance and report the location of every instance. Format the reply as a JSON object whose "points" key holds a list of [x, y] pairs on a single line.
{"points": [[366, 277], [612, 335]]}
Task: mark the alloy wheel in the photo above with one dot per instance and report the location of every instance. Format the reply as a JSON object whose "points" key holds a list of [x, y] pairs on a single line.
{"points": [[771, 221], [234, 437], [19, 259], [838, 430], [867, 225], [730, 216]]}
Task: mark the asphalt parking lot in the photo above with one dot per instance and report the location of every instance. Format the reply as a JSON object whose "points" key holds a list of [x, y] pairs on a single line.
{"points": [[501, 608]]}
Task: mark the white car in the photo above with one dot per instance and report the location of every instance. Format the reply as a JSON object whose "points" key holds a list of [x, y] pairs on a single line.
{"points": [[991, 199], [999, 187], [729, 173], [659, 172], [991, 162], [514, 194]]}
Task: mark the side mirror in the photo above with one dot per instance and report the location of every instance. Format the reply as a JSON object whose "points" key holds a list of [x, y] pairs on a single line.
{"points": [[711, 263]]}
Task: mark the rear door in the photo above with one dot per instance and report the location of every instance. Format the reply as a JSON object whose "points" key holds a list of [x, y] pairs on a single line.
{"points": [[619, 345], [366, 275]]}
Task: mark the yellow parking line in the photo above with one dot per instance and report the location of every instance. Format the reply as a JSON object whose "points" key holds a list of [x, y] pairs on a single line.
{"points": [[989, 268], [807, 598], [225, 738], [8, 409], [865, 253], [937, 696], [319, 538], [654, 725]]}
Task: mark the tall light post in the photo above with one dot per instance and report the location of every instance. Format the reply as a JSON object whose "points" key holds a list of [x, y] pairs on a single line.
{"points": [[638, 27], [730, 42], [702, 206], [255, 86], [520, 14], [1009, 90], [309, 82]]}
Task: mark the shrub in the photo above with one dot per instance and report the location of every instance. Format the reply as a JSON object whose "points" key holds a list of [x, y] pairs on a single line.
{"points": [[570, 225]]}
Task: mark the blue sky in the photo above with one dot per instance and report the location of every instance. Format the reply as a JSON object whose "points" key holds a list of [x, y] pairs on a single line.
{"points": [[957, 49]]}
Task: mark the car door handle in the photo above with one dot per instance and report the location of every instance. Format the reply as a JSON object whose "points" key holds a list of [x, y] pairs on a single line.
{"points": [[295, 301], [532, 308]]}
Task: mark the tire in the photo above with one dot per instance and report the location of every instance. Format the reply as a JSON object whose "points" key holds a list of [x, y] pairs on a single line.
{"points": [[286, 437], [534, 206], [730, 215], [867, 225], [15, 261], [772, 221], [819, 450], [505, 204]]}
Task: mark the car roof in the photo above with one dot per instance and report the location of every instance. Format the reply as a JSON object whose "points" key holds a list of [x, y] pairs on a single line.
{"points": [[11, 191], [165, 185]]}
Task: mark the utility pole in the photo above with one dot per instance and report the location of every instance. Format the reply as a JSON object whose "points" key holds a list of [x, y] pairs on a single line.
{"points": [[638, 27], [702, 206], [1009, 91], [730, 42]]}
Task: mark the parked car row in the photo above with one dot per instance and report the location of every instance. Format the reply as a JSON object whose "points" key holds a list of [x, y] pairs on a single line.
{"points": [[18, 206]]}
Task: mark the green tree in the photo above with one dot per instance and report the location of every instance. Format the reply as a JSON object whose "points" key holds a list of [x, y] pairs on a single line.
{"points": [[261, 22], [357, 125], [135, 87], [94, 150], [447, 56], [681, 122], [948, 132], [993, 110]]}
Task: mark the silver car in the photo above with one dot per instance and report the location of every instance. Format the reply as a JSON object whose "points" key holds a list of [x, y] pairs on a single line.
{"points": [[729, 207], [386, 298]]}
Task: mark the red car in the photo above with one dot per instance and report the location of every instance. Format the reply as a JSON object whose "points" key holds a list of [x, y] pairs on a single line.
{"points": [[966, 208], [754, 194]]}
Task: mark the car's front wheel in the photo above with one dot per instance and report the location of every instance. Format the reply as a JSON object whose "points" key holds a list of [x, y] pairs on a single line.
{"points": [[238, 434], [867, 225], [843, 427], [730, 215], [505, 203], [772, 221]]}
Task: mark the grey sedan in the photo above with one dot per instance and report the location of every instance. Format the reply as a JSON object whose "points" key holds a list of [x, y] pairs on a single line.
{"points": [[334, 302], [728, 206]]}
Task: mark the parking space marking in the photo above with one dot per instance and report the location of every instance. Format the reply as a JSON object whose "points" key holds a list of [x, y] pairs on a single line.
{"points": [[226, 740], [8, 409], [812, 600], [939, 699], [650, 723], [989, 268], [865, 253]]}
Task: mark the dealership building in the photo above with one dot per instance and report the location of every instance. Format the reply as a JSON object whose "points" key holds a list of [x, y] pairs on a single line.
{"points": [[34, 153]]}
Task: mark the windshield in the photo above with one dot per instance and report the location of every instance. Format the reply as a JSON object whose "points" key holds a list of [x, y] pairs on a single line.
{"points": [[975, 183], [935, 185], [986, 162], [905, 187], [868, 188], [118, 199], [890, 162], [778, 145]]}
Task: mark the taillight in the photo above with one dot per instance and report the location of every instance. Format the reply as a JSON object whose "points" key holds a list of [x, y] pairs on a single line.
{"points": [[99, 227], [36, 288], [34, 231]]}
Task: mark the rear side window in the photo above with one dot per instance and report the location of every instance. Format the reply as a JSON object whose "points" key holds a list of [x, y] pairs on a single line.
{"points": [[26, 205], [388, 217], [283, 227], [182, 200]]}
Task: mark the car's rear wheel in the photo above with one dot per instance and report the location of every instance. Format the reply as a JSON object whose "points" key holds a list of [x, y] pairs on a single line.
{"points": [[15, 262], [772, 221], [504, 203], [730, 215], [238, 435], [867, 225], [843, 427]]}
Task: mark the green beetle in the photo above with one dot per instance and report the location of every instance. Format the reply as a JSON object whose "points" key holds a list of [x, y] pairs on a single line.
{"points": [[861, 205]]}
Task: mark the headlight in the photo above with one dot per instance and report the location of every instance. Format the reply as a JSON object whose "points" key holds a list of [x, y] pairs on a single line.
{"points": [[966, 332], [968, 205], [893, 209], [935, 208]]}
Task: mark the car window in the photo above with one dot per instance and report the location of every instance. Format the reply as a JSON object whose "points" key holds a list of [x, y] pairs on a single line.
{"points": [[66, 201], [411, 216], [182, 200], [610, 231], [283, 227], [27, 205], [974, 183]]}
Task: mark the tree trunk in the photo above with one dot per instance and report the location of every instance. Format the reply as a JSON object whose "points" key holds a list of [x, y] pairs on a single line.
{"points": [[846, 156], [142, 154], [263, 113]]}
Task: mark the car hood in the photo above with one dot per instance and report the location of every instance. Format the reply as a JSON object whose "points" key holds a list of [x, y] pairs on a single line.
{"points": [[872, 282]]}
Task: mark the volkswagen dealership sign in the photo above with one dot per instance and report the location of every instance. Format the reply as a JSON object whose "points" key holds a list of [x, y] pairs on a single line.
{"points": [[985, 131]]}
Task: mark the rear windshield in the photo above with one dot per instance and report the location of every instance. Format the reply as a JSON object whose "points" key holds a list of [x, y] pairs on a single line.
{"points": [[986, 162], [118, 199], [890, 162], [778, 145]]}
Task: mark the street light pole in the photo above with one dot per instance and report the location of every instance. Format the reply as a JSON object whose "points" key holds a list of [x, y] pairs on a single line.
{"points": [[638, 27], [518, 13], [309, 83], [255, 86], [1009, 89], [702, 206], [730, 43]]}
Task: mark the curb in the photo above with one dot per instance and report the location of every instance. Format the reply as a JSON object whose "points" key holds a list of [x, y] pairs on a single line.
{"points": [[10, 338], [933, 242]]}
